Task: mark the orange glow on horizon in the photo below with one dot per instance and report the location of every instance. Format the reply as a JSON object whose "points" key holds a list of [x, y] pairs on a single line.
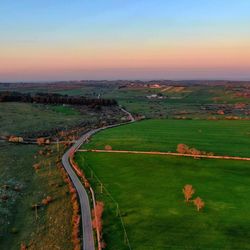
{"points": [[188, 56]]}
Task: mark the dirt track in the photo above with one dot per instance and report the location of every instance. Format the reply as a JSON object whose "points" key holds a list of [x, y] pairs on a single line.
{"points": [[168, 153]]}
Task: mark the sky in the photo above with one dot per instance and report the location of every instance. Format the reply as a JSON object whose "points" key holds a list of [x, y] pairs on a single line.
{"points": [[43, 40]]}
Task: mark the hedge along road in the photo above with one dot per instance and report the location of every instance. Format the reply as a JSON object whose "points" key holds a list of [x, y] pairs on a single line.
{"points": [[87, 230]]}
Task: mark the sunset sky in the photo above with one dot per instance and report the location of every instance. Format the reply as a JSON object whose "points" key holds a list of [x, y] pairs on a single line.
{"points": [[42, 40]]}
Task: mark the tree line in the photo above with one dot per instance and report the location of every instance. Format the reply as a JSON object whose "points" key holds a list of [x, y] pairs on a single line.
{"points": [[52, 98]]}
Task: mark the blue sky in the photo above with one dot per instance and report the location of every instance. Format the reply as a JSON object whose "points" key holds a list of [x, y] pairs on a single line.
{"points": [[38, 35]]}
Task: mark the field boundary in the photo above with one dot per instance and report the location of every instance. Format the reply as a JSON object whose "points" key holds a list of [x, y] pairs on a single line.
{"points": [[118, 211], [237, 158]]}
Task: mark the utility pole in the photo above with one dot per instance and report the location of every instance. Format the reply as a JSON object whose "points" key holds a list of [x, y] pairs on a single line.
{"points": [[36, 211], [117, 209], [101, 188], [57, 145]]}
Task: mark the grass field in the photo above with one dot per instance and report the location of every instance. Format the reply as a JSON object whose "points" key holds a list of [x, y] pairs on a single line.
{"points": [[52, 229], [18, 223], [221, 137], [19, 118], [178, 101], [148, 188]]}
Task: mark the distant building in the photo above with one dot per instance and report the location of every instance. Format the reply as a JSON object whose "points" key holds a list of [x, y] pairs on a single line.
{"points": [[155, 86], [156, 96]]}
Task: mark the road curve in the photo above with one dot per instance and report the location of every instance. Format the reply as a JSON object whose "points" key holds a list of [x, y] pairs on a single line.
{"points": [[87, 230]]}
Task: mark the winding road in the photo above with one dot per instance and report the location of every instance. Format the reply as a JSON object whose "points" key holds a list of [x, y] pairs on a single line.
{"points": [[87, 231]]}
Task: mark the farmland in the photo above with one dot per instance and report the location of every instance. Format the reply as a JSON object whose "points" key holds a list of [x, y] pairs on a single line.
{"points": [[18, 220], [144, 190], [125, 125], [220, 137], [23, 117], [171, 99], [22, 186], [148, 188]]}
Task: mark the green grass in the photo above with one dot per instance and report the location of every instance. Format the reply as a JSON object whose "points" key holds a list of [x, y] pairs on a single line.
{"points": [[18, 223], [149, 188], [221, 137], [52, 230], [149, 192], [15, 169], [134, 99], [66, 110], [19, 118]]}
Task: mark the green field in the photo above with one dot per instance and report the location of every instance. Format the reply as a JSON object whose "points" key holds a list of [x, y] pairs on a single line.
{"points": [[19, 118], [18, 222], [52, 229], [148, 188], [221, 137], [181, 100]]}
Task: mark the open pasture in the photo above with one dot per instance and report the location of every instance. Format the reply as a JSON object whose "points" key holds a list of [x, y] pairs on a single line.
{"points": [[148, 188], [220, 137]]}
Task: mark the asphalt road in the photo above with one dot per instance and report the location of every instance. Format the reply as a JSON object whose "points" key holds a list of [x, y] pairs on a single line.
{"points": [[87, 230]]}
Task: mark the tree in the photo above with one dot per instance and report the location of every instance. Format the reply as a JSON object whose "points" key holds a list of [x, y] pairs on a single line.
{"points": [[97, 221], [23, 246], [36, 166], [52, 98], [97, 213], [194, 151], [198, 202], [40, 141], [220, 112], [47, 200], [188, 191], [108, 147], [182, 149]]}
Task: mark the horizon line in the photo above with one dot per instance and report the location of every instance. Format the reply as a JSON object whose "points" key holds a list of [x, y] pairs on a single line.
{"points": [[133, 80]]}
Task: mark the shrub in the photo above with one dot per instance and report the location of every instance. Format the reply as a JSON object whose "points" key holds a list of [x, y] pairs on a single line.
{"points": [[97, 221], [47, 200], [23, 246], [188, 192], [36, 166], [40, 141], [198, 202], [108, 147], [182, 148]]}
